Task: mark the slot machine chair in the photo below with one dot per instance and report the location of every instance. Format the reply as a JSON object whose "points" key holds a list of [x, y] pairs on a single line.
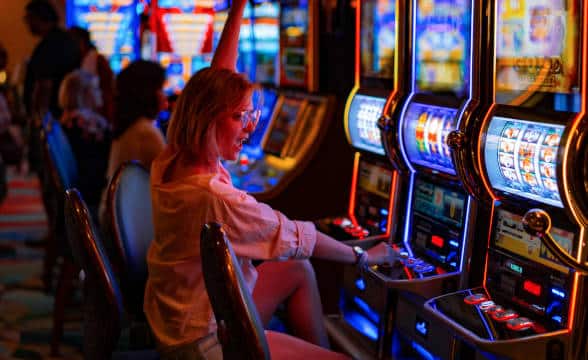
{"points": [[240, 331], [128, 221], [103, 302], [59, 174]]}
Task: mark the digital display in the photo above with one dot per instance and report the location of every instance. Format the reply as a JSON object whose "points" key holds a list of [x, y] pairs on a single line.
{"points": [[282, 126], [293, 40], [259, 42], [378, 38], [375, 179], [438, 218], [113, 27], [425, 132], [363, 116], [185, 32], [442, 45], [510, 235], [537, 46], [521, 158], [269, 101]]}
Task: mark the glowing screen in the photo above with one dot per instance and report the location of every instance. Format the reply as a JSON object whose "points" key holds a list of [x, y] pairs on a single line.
{"points": [[425, 135], [378, 38], [510, 235], [113, 27], [294, 28], [521, 158], [282, 126], [537, 45], [269, 101], [375, 179], [363, 123], [442, 45]]}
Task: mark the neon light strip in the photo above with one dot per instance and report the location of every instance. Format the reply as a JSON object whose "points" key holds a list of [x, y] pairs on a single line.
{"points": [[465, 233], [351, 211], [392, 203], [408, 220]]}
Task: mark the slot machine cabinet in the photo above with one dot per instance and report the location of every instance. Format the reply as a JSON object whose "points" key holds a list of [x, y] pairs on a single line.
{"points": [[531, 304], [114, 29], [359, 326], [441, 219]]}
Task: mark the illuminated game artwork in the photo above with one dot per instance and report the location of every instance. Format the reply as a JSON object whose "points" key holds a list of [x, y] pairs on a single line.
{"points": [[184, 39], [442, 45], [425, 136], [537, 49], [253, 145], [113, 27], [282, 126], [521, 158], [364, 112], [378, 38], [259, 42], [375, 179], [510, 235], [294, 27]]}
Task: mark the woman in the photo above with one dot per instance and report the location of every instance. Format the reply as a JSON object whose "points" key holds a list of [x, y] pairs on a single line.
{"points": [[212, 118], [87, 131]]}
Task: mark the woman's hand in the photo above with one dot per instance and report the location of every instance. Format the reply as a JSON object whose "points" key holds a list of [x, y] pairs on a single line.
{"points": [[381, 254]]}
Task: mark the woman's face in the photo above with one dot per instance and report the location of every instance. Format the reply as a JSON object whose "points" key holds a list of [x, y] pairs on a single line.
{"points": [[230, 133]]}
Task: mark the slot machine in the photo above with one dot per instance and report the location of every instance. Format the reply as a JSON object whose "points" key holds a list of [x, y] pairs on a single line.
{"points": [[374, 195], [439, 217], [113, 27], [532, 152], [278, 48], [185, 34]]}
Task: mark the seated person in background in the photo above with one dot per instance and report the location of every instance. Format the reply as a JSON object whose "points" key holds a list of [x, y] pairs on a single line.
{"points": [[139, 98], [97, 64], [87, 131], [190, 187]]}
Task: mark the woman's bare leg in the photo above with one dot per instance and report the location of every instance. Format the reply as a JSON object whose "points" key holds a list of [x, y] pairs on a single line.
{"points": [[294, 283]]}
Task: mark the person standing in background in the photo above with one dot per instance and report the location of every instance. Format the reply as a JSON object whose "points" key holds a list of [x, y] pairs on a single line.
{"points": [[95, 63], [54, 57]]}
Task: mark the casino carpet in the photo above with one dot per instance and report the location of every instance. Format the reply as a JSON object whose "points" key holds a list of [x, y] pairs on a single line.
{"points": [[25, 309]]}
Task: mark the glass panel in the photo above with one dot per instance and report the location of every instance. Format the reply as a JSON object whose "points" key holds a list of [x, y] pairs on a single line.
{"points": [[378, 38], [363, 119]]}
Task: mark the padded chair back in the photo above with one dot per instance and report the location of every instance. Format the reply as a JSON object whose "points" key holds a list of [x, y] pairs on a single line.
{"points": [[240, 331], [130, 222], [102, 297], [59, 153]]}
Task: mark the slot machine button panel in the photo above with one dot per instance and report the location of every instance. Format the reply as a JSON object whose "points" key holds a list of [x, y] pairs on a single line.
{"points": [[475, 299], [519, 324], [505, 315]]}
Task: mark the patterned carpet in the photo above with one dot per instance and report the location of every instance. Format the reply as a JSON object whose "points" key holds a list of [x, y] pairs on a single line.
{"points": [[25, 309]]}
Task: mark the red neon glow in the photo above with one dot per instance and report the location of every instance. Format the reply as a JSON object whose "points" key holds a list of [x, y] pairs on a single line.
{"points": [[532, 287], [438, 241]]}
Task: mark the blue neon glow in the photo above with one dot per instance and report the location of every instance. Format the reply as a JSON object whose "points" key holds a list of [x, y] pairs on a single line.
{"points": [[364, 113], [557, 318], [558, 292], [383, 212], [422, 328], [367, 310], [360, 284], [422, 351], [409, 218], [361, 324], [453, 243], [465, 232]]}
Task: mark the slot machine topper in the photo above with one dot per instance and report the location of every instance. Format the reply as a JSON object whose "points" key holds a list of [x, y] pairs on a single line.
{"points": [[532, 151], [441, 219], [380, 52], [113, 27]]}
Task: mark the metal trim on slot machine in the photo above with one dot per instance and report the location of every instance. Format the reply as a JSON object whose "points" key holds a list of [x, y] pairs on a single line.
{"points": [[531, 150]]}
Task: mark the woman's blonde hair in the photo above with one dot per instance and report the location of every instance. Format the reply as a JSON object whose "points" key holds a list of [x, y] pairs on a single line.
{"points": [[209, 94], [79, 90]]}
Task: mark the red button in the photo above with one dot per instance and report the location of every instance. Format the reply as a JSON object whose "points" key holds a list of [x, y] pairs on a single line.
{"points": [[519, 324], [475, 299], [504, 315]]}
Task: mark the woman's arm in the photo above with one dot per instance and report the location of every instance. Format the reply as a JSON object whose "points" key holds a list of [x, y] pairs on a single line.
{"points": [[330, 249], [225, 56]]}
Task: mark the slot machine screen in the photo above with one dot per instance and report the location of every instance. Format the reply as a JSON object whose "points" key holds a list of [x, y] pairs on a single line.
{"points": [[520, 158], [185, 32], [266, 40], [510, 235], [294, 28], [269, 101], [362, 123], [375, 179], [442, 45], [438, 221], [378, 38], [282, 126], [537, 51], [425, 132], [113, 27]]}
